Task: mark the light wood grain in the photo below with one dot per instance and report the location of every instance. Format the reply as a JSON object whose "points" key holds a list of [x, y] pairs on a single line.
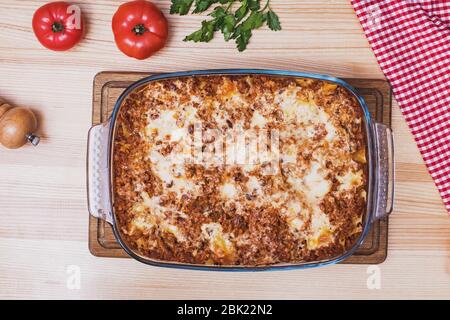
{"points": [[43, 221]]}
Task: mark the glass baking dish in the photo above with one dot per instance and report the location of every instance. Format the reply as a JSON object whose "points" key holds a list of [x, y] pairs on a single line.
{"points": [[380, 165]]}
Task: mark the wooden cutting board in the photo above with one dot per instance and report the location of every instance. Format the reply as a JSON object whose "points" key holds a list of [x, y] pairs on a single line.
{"points": [[109, 85]]}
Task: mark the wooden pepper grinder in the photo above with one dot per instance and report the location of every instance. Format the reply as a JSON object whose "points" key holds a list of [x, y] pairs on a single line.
{"points": [[17, 126]]}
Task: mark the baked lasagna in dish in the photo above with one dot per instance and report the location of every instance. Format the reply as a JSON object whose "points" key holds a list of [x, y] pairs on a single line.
{"points": [[302, 199]]}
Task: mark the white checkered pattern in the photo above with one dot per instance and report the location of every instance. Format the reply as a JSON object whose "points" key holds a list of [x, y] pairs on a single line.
{"points": [[411, 41]]}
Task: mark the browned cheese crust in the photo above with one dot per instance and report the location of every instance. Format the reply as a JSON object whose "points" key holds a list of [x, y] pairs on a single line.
{"points": [[311, 209]]}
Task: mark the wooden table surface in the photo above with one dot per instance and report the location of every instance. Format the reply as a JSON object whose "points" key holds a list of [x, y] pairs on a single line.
{"points": [[43, 210]]}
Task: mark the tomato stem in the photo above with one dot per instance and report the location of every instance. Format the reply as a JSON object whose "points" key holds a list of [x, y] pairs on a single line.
{"points": [[139, 29], [57, 27]]}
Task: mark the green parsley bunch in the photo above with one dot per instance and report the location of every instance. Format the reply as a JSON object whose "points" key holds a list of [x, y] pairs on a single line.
{"points": [[236, 24]]}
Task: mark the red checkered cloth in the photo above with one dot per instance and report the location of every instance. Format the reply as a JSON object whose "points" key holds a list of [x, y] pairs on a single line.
{"points": [[411, 41]]}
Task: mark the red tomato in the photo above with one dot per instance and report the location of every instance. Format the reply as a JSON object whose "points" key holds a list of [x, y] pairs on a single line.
{"points": [[140, 29], [58, 25]]}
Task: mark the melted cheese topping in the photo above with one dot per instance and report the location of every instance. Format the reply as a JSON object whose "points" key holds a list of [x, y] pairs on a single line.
{"points": [[316, 183], [350, 180], [254, 186], [295, 216], [150, 214], [219, 242], [172, 174], [258, 120], [228, 191], [164, 126], [321, 230]]}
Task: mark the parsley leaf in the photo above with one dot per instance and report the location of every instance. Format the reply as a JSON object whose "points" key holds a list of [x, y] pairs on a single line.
{"points": [[242, 11], [254, 21], [204, 34], [254, 5], [227, 27], [202, 5], [243, 32], [235, 19], [242, 39], [218, 12], [272, 21], [181, 6]]}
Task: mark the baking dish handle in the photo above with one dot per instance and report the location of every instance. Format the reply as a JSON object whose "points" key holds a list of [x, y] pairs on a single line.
{"points": [[97, 176], [384, 171]]}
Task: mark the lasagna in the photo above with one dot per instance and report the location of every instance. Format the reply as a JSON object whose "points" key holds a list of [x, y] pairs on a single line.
{"points": [[186, 191]]}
